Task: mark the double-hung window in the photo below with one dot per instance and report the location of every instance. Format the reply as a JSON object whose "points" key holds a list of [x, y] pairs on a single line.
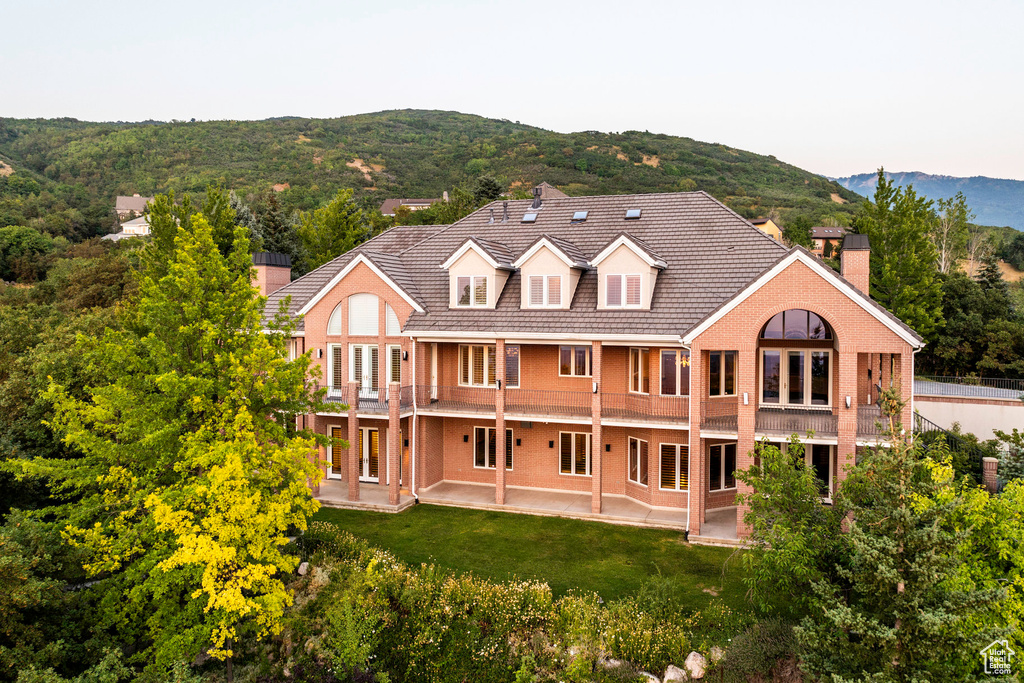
{"points": [[477, 366], [512, 365], [722, 467], [675, 467], [638, 461], [675, 372], [394, 364], [335, 377], [722, 373], [574, 453], [471, 291], [623, 291], [545, 291], [485, 447], [639, 371], [574, 361]]}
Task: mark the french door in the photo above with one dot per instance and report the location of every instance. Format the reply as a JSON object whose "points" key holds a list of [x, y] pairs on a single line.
{"points": [[369, 453], [364, 364], [796, 377]]}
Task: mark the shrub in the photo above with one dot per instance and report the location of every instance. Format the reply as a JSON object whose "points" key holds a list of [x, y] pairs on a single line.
{"points": [[758, 649]]}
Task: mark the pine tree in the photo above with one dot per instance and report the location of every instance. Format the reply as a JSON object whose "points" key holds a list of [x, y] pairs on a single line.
{"points": [[331, 230], [280, 235]]}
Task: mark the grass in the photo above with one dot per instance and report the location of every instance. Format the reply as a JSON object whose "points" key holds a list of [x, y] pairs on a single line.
{"points": [[613, 561]]}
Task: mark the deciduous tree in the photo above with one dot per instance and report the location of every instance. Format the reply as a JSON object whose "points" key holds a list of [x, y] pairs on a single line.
{"points": [[331, 230], [949, 232]]}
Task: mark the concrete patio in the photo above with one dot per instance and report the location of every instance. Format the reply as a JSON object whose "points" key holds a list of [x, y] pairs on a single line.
{"points": [[615, 509], [334, 494], [719, 528]]}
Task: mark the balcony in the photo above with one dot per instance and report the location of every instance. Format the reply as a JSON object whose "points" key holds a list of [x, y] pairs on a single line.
{"points": [[455, 399], [372, 402], [719, 415], [547, 403], [785, 421], [646, 408], [870, 423]]}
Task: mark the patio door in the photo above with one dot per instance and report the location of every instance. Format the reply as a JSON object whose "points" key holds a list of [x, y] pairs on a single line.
{"points": [[365, 363], [369, 451]]}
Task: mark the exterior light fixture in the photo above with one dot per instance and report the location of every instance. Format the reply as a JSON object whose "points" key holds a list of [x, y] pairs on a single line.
{"points": [[746, 398], [848, 401]]}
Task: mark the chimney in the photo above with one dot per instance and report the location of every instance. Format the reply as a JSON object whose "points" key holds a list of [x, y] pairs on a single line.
{"points": [[492, 217], [855, 261], [273, 271], [444, 195], [504, 212], [536, 198]]}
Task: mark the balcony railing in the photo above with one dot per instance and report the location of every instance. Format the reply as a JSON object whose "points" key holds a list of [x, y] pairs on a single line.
{"points": [[646, 408], [372, 401], [786, 421], [970, 387], [870, 421], [719, 415], [455, 399], [337, 396], [546, 402]]}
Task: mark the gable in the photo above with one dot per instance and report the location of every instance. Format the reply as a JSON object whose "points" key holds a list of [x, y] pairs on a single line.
{"points": [[361, 275]]}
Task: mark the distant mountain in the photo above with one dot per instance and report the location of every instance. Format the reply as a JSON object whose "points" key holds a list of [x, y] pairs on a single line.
{"points": [[995, 201]]}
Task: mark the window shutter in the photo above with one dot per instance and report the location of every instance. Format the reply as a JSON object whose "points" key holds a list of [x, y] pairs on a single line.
{"points": [[338, 381], [480, 446], [462, 291], [632, 290], [566, 452], [396, 365], [336, 463], [613, 294], [357, 363], [374, 368], [729, 461], [512, 365], [492, 366], [508, 449], [634, 458], [374, 453], [478, 365], [715, 468], [684, 468], [363, 315], [536, 290], [581, 453], [480, 291], [393, 328], [555, 290], [668, 466], [643, 463], [464, 375]]}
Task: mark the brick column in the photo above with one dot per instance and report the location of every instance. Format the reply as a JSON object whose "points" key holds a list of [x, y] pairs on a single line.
{"points": [[905, 363], [990, 474], [746, 384], [499, 424], [394, 441], [596, 444], [355, 458], [697, 481], [846, 418]]}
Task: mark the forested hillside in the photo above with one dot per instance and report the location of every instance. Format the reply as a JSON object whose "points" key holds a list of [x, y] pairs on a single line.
{"points": [[75, 168]]}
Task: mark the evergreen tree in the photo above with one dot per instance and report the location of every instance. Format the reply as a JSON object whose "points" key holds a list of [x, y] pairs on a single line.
{"points": [[798, 232], [332, 230], [279, 232], [487, 189], [245, 217]]}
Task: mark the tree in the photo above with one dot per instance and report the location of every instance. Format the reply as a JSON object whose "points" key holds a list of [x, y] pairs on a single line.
{"points": [[279, 232], [903, 260], [487, 189], [460, 204], [22, 251], [191, 468], [979, 246], [950, 233], [332, 230], [798, 231], [1013, 253]]}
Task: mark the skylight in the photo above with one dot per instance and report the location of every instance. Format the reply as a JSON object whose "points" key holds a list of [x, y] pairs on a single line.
{"points": [[530, 217], [579, 216], [632, 213]]}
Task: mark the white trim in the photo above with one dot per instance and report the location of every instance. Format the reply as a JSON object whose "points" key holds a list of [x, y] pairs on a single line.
{"points": [[512, 444], [722, 475], [645, 370], [679, 384], [466, 246], [679, 466], [572, 360], [330, 455], [572, 461], [544, 242], [632, 246], [623, 292], [345, 271], [528, 337], [472, 291], [681, 426], [826, 274], [629, 445], [784, 352]]}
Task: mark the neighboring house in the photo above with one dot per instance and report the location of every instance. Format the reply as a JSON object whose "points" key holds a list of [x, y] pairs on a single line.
{"points": [[549, 191], [136, 227], [827, 240], [389, 206], [768, 227], [130, 207], [612, 357]]}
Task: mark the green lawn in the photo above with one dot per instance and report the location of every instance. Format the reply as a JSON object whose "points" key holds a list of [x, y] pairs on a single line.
{"points": [[566, 553]]}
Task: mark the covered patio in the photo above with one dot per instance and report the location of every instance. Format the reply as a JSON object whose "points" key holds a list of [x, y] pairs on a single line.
{"points": [[334, 493]]}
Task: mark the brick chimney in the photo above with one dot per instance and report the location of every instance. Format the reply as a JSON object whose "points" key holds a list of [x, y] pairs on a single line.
{"points": [[855, 261], [273, 271]]}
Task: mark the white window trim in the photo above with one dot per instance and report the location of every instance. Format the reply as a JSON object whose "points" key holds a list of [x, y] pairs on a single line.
{"points": [[572, 360], [679, 372], [493, 429], [352, 364], [472, 291], [546, 279], [629, 445], [721, 377], [519, 373], [644, 369], [721, 478], [678, 447], [784, 378], [391, 379], [331, 350], [623, 289], [331, 474], [485, 385], [809, 463], [590, 448]]}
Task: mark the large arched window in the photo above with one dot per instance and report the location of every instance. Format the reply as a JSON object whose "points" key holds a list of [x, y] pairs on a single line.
{"points": [[796, 323]]}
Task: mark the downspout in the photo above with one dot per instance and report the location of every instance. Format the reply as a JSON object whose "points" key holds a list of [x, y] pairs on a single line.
{"points": [[415, 424]]}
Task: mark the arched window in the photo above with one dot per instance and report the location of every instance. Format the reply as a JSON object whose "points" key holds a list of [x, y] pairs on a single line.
{"points": [[796, 323], [363, 315], [393, 327], [334, 324]]}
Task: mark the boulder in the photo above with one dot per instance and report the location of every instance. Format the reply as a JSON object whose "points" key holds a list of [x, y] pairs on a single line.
{"points": [[696, 665], [717, 654], [611, 663], [649, 678], [673, 674], [303, 568]]}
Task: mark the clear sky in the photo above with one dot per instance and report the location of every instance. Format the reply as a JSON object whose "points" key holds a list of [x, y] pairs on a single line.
{"points": [[835, 88]]}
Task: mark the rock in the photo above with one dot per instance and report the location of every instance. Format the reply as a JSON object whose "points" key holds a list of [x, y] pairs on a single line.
{"points": [[611, 663], [717, 654], [696, 665], [574, 650], [650, 678], [303, 568], [673, 674]]}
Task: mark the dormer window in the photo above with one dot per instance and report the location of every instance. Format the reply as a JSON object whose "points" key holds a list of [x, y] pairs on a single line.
{"points": [[472, 291], [623, 291], [545, 290]]}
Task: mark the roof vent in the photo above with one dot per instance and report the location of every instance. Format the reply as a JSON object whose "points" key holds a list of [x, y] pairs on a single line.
{"points": [[492, 216], [632, 214], [536, 198], [579, 216], [504, 212], [530, 217]]}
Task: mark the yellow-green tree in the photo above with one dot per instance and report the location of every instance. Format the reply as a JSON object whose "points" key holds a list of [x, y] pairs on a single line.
{"points": [[191, 469]]}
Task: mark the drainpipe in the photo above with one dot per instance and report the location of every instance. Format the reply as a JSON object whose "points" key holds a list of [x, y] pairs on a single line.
{"points": [[415, 424]]}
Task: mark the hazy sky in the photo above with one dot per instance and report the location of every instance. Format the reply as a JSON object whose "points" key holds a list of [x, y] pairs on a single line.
{"points": [[836, 88]]}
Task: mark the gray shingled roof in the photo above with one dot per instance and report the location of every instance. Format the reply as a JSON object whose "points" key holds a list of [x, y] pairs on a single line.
{"points": [[124, 203]]}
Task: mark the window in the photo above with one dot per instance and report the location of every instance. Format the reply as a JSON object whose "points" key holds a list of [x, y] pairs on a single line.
{"points": [[363, 366], [796, 324], [574, 361], [578, 216], [530, 217], [675, 467], [393, 327], [512, 365], [722, 465], [639, 371], [623, 291], [675, 372], [394, 364], [472, 291], [335, 378], [363, 315], [485, 446], [819, 459], [632, 214], [574, 453], [477, 366], [722, 373], [545, 290], [638, 461], [796, 377]]}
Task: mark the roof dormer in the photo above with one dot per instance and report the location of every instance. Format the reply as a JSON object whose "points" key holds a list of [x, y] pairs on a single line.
{"points": [[477, 272], [627, 270], [550, 269]]}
